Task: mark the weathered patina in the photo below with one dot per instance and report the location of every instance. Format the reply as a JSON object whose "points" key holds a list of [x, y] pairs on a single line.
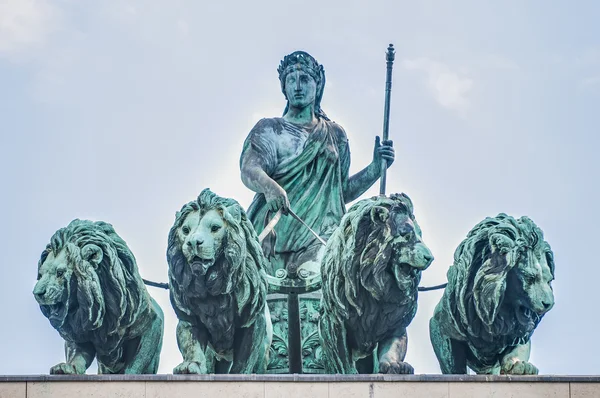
{"points": [[90, 289], [371, 270], [301, 161], [218, 288], [499, 288], [299, 165]]}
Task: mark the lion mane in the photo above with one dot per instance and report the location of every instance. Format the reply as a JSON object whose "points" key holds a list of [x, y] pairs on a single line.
{"points": [[239, 269], [104, 298], [481, 302], [360, 291], [354, 264]]}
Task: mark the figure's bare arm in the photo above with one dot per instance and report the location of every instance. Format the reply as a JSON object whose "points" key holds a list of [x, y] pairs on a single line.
{"points": [[361, 181], [364, 179], [255, 178]]}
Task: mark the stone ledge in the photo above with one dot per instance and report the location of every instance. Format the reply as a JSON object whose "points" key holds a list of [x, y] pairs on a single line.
{"points": [[349, 388], [315, 378], [299, 386]]}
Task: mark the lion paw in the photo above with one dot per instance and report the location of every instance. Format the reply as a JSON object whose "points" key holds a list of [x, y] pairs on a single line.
{"points": [[393, 367], [520, 368], [65, 369], [190, 367]]}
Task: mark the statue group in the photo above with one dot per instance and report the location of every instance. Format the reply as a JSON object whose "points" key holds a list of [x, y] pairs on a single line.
{"points": [[298, 283]]}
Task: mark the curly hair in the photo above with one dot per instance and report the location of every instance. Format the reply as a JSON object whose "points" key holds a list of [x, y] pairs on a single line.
{"points": [[110, 294], [370, 276], [241, 264], [355, 262]]}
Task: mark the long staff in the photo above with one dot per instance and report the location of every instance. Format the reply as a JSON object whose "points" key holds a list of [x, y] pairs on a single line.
{"points": [[389, 57]]}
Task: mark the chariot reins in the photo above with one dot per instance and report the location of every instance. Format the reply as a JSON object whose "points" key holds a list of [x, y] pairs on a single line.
{"points": [[273, 222], [268, 229]]}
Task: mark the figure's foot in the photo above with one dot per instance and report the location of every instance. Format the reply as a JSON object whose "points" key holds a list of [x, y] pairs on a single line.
{"points": [[396, 367], [519, 368], [65, 369], [190, 368]]}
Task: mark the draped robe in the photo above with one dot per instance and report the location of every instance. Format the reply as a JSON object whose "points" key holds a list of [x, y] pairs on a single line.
{"points": [[311, 165]]}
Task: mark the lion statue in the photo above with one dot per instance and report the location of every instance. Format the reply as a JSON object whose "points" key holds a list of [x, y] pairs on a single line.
{"points": [[90, 289], [371, 268], [499, 288], [218, 288]]}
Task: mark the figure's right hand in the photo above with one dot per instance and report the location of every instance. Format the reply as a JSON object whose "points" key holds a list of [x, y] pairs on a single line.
{"points": [[276, 198]]}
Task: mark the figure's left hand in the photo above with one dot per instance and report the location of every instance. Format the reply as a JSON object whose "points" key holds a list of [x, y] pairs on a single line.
{"points": [[383, 150]]}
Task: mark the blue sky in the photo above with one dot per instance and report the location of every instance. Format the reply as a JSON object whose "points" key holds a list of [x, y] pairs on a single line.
{"points": [[122, 111]]}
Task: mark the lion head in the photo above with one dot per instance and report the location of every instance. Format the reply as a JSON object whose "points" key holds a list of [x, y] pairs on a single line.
{"points": [[376, 250], [500, 282], [88, 281], [213, 250]]}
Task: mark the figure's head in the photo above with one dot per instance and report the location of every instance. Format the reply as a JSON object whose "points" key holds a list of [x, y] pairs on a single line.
{"points": [[302, 81], [300, 88]]}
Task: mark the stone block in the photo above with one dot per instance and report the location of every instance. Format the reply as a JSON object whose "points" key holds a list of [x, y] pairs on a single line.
{"points": [[508, 390], [409, 389], [296, 390], [350, 390], [216, 389], [585, 390], [78, 389], [13, 390]]}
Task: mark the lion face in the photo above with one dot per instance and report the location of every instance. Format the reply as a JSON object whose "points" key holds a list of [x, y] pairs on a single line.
{"points": [[53, 287], [57, 279], [408, 244], [529, 284], [201, 239], [410, 255]]}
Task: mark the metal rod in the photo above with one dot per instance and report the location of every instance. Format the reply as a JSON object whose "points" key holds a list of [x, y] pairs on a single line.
{"points": [[389, 57], [294, 336]]}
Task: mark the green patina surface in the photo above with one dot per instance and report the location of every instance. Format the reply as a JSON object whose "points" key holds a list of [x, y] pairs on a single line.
{"points": [[218, 288], [499, 288], [90, 289], [312, 355], [371, 270], [300, 162]]}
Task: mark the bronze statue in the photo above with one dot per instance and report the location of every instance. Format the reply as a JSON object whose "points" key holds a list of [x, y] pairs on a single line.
{"points": [[218, 288], [499, 289], [300, 162], [90, 290], [371, 271]]}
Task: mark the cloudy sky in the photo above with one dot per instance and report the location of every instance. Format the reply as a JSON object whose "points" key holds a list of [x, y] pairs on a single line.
{"points": [[122, 111]]}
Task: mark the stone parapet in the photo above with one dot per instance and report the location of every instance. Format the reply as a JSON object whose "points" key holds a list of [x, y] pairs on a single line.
{"points": [[299, 386]]}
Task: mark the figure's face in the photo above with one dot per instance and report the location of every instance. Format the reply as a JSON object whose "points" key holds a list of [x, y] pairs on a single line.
{"points": [[300, 88]]}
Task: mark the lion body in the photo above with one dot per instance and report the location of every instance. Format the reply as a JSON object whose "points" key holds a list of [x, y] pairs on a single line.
{"points": [[380, 319], [371, 269], [498, 291], [90, 289], [218, 288]]}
